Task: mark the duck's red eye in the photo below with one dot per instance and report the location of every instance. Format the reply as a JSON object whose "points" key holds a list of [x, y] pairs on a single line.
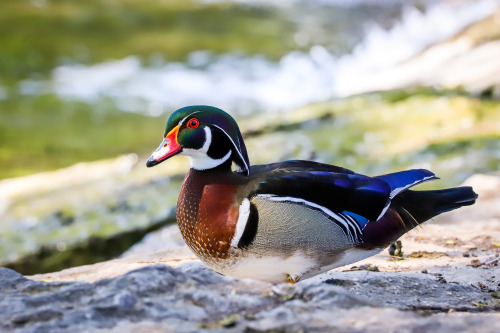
{"points": [[193, 123]]}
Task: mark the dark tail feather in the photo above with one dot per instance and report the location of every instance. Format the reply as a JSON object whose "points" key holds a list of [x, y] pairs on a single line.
{"points": [[411, 208], [424, 205]]}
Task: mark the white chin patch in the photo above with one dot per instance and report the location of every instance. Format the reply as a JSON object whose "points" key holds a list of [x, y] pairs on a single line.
{"points": [[199, 159]]}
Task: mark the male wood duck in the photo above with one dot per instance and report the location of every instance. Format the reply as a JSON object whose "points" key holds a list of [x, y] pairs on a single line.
{"points": [[290, 220]]}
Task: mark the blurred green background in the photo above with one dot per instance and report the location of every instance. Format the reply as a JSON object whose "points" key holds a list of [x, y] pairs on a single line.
{"points": [[374, 86], [43, 131]]}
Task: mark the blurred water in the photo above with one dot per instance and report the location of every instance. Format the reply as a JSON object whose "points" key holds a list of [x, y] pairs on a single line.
{"points": [[243, 84]]}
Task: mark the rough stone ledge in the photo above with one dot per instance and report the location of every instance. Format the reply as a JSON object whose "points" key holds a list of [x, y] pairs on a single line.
{"points": [[193, 298]]}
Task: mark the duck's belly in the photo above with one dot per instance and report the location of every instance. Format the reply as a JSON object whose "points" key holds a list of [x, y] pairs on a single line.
{"points": [[278, 269], [274, 269]]}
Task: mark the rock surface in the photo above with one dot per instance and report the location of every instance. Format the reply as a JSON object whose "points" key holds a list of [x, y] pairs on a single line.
{"points": [[192, 298], [448, 280]]}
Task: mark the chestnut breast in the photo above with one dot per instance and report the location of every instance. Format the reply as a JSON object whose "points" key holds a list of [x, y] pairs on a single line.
{"points": [[207, 215]]}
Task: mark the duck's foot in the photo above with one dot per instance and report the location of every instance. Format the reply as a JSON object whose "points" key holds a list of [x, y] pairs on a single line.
{"points": [[292, 278], [396, 249]]}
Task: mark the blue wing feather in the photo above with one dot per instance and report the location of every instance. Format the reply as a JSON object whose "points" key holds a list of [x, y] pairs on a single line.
{"points": [[400, 181], [336, 188], [331, 187]]}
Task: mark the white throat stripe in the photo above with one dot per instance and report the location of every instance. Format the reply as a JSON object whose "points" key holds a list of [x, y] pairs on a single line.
{"points": [[199, 159]]}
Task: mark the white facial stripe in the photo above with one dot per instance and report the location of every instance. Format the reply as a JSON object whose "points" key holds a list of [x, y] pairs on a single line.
{"points": [[236, 148], [199, 159], [180, 122], [242, 222]]}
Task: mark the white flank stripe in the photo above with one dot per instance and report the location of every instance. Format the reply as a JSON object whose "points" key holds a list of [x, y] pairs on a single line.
{"points": [[311, 204], [350, 218], [349, 230], [352, 228], [242, 222]]}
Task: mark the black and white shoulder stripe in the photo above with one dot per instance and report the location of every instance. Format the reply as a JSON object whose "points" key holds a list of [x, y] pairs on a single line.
{"points": [[246, 226]]}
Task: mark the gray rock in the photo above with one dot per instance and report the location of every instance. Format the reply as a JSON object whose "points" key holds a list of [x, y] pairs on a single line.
{"points": [[410, 291], [193, 298], [332, 319], [192, 293]]}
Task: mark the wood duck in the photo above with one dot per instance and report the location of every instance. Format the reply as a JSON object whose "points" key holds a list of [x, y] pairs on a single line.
{"points": [[290, 220]]}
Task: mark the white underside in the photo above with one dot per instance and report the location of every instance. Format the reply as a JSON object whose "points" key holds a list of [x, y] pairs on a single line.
{"points": [[270, 268], [276, 269]]}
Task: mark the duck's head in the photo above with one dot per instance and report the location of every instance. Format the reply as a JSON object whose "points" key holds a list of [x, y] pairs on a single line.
{"points": [[207, 135]]}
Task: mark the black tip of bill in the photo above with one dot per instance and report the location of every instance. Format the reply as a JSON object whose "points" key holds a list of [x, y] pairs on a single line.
{"points": [[151, 162]]}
